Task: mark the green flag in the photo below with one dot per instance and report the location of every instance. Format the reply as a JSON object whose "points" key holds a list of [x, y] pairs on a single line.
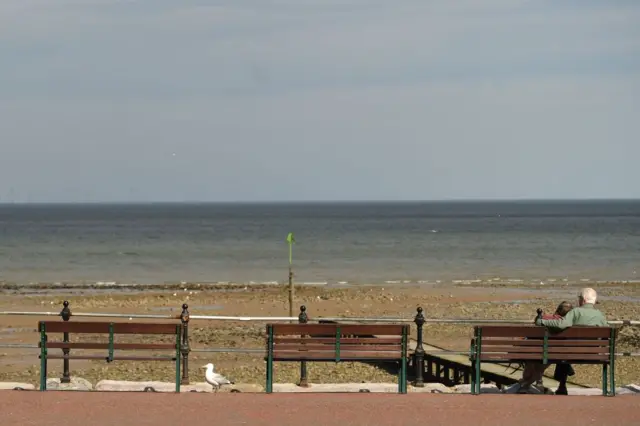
{"points": [[291, 241]]}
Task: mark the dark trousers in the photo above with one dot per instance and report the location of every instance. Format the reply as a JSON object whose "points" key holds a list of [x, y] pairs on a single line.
{"points": [[561, 374], [563, 371]]}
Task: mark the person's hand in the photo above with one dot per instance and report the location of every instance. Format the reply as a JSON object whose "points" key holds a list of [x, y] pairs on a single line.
{"points": [[538, 318]]}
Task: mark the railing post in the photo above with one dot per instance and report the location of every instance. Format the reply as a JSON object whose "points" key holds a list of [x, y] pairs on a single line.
{"points": [[65, 313], [539, 316], [302, 319], [185, 349], [418, 354]]}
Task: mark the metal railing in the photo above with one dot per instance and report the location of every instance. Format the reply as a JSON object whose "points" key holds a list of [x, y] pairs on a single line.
{"points": [[460, 321], [419, 320]]}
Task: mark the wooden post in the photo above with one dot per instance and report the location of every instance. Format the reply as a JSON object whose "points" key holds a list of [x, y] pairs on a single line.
{"points": [[290, 240], [290, 291]]}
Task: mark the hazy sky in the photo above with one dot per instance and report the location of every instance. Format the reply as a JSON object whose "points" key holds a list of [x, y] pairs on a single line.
{"points": [[318, 99]]}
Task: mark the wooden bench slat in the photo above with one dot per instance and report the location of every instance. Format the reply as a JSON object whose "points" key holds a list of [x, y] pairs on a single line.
{"points": [[328, 330], [143, 358], [328, 355], [373, 329], [550, 350], [103, 327], [102, 357], [121, 346], [539, 332], [331, 340], [115, 357], [354, 348], [538, 342], [538, 357]]}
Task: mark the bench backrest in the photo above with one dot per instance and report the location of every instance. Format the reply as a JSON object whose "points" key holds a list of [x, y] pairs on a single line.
{"points": [[337, 341], [111, 329], [90, 327], [522, 343]]}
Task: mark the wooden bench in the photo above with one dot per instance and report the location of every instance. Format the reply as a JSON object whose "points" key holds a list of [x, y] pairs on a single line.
{"points": [[111, 329], [299, 342], [518, 344]]}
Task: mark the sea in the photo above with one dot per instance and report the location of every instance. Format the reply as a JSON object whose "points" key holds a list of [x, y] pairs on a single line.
{"points": [[383, 243]]}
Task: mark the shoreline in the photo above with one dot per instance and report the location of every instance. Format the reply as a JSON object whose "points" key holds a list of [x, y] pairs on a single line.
{"points": [[34, 287]]}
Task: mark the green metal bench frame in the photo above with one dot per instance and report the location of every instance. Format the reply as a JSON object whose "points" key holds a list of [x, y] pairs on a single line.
{"points": [[111, 329], [335, 334], [543, 335]]}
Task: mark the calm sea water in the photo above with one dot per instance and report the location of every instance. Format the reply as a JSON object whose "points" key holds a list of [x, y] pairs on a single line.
{"points": [[354, 243]]}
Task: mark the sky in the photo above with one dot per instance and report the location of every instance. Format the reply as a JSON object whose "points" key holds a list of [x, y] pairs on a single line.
{"points": [[300, 100]]}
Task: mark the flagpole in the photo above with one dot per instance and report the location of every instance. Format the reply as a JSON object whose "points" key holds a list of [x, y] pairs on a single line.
{"points": [[290, 291], [290, 240]]}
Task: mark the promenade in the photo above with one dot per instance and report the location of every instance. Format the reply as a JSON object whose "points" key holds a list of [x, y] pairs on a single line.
{"points": [[192, 409]]}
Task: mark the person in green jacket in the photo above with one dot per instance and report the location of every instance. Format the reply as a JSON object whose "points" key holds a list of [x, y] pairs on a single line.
{"points": [[585, 314]]}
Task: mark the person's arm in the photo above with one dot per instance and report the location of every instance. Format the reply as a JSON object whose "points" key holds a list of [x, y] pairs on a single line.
{"points": [[551, 316], [561, 323]]}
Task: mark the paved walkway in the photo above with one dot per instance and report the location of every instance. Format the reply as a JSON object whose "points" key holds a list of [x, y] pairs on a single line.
{"points": [[140, 409]]}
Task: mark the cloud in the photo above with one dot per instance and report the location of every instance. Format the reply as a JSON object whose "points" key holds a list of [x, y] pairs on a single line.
{"points": [[356, 99], [145, 48]]}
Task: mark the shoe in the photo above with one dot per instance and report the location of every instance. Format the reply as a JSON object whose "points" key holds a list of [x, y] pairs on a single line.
{"points": [[534, 390], [515, 388], [562, 391]]}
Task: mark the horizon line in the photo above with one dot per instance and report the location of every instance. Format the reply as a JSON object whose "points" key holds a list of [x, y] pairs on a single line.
{"points": [[319, 201]]}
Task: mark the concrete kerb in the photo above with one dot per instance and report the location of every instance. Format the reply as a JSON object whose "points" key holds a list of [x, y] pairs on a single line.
{"points": [[76, 384], [154, 386], [16, 386], [169, 387]]}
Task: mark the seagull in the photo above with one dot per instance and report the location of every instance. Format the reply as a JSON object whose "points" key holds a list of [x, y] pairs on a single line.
{"points": [[214, 379]]}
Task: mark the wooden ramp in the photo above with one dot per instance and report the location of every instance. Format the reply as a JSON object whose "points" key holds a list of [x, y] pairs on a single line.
{"points": [[456, 369]]}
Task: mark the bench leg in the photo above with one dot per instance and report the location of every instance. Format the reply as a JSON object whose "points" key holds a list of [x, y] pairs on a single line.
{"points": [[612, 372], [473, 378], [402, 379], [269, 384], [43, 372], [405, 380], [605, 379], [43, 359], [476, 391], [177, 373]]}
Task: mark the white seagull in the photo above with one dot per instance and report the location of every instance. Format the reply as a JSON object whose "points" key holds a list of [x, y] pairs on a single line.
{"points": [[214, 379]]}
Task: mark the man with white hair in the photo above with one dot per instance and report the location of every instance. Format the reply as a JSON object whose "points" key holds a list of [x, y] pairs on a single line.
{"points": [[585, 314]]}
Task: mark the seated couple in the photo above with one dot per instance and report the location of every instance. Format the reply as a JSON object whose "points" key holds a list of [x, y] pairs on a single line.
{"points": [[566, 316]]}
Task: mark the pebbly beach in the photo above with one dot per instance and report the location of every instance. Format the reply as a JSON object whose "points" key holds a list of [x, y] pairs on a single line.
{"points": [[618, 301]]}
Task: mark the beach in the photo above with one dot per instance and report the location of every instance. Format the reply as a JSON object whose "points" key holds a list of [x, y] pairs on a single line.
{"points": [[500, 301], [470, 260]]}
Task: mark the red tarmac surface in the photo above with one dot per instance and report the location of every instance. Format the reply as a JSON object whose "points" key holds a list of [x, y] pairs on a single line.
{"points": [[124, 409]]}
